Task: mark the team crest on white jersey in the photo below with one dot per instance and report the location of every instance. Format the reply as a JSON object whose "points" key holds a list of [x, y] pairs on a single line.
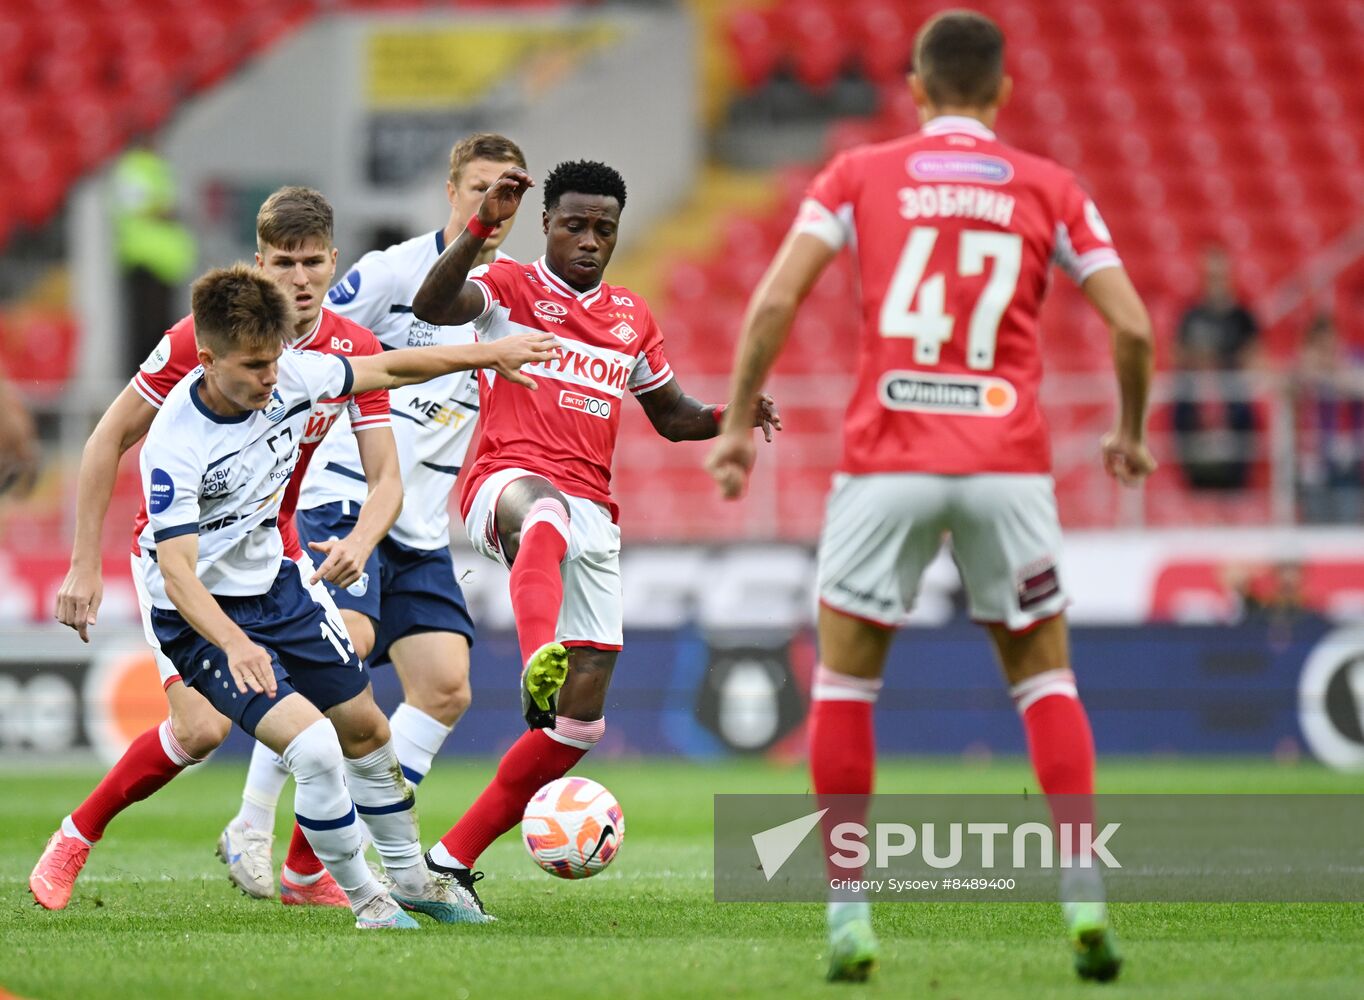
{"points": [[274, 410]]}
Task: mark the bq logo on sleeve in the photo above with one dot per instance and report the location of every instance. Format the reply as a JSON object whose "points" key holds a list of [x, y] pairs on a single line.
{"points": [[162, 491]]}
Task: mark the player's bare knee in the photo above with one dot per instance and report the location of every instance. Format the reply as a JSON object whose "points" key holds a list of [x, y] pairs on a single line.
{"points": [[199, 729], [513, 506], [362, 730], [445, 698]]}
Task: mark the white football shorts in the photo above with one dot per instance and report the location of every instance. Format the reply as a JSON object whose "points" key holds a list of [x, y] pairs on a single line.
{"points": [[164, 666], [593, 610], [882, 530]]}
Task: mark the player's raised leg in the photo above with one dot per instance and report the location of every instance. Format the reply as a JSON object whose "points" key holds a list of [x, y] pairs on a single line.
{"points": [[193, 731], [842, 766], [533, 521], [1061, 745]]}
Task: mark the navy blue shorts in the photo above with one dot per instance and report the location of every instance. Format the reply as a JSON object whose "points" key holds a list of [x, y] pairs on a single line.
{"points": [[312, 656], [404, 590], [335, 520]]}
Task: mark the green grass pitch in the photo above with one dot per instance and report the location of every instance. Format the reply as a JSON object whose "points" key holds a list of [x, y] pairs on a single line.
{"points": [[154, 916]]}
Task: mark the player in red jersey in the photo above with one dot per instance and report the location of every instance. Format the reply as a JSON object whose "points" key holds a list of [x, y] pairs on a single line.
{"points": [[955, 233], [538, 496], [294, 235]]}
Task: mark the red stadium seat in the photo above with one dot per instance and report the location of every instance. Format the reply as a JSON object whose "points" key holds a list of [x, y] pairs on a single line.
{"points": [[754, 44]]}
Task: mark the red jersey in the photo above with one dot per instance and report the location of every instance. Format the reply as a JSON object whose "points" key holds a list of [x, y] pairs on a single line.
{"points": [[567, 430], [955, 234], [178, 354]]}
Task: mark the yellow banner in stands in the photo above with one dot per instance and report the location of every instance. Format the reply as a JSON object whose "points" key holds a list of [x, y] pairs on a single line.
{"points": [[417, 68]]}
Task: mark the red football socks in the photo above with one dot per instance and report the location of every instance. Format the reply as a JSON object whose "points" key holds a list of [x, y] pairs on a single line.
{"points": [[533, 761], [537, 585], [301, 860], [149, 764], [842, 750], [1060, 744]]}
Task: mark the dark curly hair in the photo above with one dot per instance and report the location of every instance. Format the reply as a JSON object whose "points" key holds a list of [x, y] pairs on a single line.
{"points": [[583, 177]]}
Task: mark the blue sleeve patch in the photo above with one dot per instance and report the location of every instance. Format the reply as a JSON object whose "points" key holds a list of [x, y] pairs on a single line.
{"points": [[346, 289], [162, 492]]}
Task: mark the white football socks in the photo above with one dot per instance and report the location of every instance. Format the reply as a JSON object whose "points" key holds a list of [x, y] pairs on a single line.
{"points": [[385, 802], [324, 810], [265, 780], [417, 738]]}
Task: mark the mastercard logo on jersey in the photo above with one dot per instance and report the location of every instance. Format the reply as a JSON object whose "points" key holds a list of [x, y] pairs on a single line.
{"points": [[967, 167], [966, 395]]}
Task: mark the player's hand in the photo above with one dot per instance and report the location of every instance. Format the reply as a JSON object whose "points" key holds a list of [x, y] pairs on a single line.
{"points": [[344, 561], [510, 353], [730, 461], [251, 667], [1126, 459], [79, 598], [501, 201], [765, 415]]}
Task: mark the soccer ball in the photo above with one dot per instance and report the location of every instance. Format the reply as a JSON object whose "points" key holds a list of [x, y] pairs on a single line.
{"points": [[573, 827]]}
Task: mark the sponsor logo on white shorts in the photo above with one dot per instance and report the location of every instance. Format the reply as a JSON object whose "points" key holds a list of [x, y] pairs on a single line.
{"points": [[967, 395], [584, 403]]}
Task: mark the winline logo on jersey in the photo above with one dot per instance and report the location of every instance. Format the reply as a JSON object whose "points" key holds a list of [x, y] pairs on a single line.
{"points": [[969, 395], [983, 848]]}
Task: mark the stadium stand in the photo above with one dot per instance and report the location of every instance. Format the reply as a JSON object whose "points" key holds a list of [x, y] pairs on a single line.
{"points": [[1249, 140]]}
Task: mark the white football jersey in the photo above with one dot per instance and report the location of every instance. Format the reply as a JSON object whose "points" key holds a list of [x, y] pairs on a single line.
{"points": [[223, 478], [433, 422]]}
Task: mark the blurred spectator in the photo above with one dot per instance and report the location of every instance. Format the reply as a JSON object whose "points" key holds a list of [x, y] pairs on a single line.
{"points": [[18, 442], [1326, 386], [156, 253], [1213, 420]]}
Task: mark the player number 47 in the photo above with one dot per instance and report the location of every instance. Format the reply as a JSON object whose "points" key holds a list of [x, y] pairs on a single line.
{"points": [[929, 325]]}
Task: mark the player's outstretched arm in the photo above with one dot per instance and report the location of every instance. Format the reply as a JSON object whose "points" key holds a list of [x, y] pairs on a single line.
{"points": [[678, 417], [767, 324], [250, 666], [123, 425], [1110, 291], [445, 297], [344, 558], [410, 365]]}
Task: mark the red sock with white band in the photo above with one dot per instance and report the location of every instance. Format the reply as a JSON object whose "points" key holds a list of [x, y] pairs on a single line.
{"points": [[533, 761], [537, 584], [149, 764], [842, 749], [1060, 744]]}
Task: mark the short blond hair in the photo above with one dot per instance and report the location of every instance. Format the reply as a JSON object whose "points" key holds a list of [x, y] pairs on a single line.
{"points": [[292, 216], [484, 146]]}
